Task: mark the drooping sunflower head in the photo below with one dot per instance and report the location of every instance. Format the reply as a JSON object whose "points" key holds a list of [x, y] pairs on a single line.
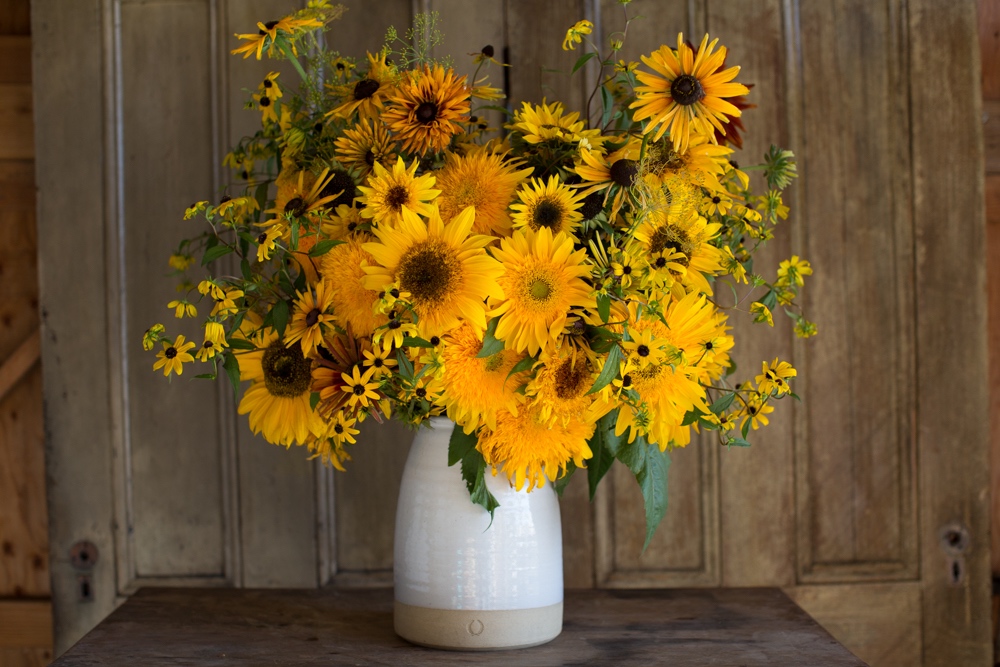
{"points": [[542, 280], [388, 194], [444, 268], [553, 205], [427, 109], [685, 91], [560, 388], [285, 370], [343, 275], [484, 181]]}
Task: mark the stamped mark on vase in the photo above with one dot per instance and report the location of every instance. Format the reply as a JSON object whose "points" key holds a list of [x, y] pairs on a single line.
{"points": [[476, 627]]}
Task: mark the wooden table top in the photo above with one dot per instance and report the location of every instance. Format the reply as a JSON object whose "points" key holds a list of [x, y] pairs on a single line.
{"points": [[680, 627]]}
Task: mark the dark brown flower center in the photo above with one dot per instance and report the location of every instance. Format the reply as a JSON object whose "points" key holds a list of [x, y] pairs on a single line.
{"points": [[686, 90], [592, 205], [420, 392], [377, 362], [296, 206], [397, 197], [286, 371], [623, 172], [488, 51], [642, 350], [265, 101], [207, 344], [343, 184], [261, 238], [427, 112], [428, 271], [269, 25], [571, 379], [547, 213], [365, 89], [359, 389], [673, 239], [369, 158], [627, 381], [312, 317], [170, 352], [338, 429]]}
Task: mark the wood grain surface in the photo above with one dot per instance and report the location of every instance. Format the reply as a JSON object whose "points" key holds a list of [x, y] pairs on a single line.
{"points": [[681, 628]]}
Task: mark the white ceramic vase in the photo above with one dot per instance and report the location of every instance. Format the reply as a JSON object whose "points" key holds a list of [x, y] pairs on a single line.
{"points": [[460, 582]]}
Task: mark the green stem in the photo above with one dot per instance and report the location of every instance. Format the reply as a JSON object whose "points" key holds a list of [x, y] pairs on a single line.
{"points": [[287, 50]]}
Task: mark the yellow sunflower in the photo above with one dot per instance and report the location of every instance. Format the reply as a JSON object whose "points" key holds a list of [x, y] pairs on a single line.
{"points": [[427, 109], [530, 450], [445, 269], [482, 180], [390, 193], [553, 205], [687, 235], [475, 390], [613, 173], [278, 400], [368, 142], [542, 279], [700, 166], [344, 277], [559, 389], [685, 92], [368, 95], [542, 122]]}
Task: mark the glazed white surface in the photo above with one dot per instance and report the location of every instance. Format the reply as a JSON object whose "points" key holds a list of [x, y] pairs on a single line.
{"points": [[448, 556]]}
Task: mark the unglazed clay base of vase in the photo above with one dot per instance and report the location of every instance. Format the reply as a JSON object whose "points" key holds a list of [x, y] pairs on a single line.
{"points": [[469, 630]]}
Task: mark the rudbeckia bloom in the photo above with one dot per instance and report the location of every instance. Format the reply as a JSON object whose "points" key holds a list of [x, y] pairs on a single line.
{"points": [[685, 91], [427, 109]]}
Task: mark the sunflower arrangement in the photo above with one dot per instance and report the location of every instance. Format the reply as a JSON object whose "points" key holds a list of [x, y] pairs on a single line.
{"points": [[560, 287]]}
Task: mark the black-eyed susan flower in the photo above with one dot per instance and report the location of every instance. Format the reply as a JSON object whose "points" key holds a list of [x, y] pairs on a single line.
{"points": [[269, 32], [574, 35], [444, 268], [611, 174], [755, 410], [389, 193], [366, 96], [487, 182], [542, 280], [311, 317], [225, 302], [380, 361], [685, 91], [773, 378], [791, 271], [361, 391], [395, 331], [182, 308], [427, 109], [173, 356], [552, 205]]}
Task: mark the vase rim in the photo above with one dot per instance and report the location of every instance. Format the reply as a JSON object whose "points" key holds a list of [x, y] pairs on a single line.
{"points": [[441, 422]]}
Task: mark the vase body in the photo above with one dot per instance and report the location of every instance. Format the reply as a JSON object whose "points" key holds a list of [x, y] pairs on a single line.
{"points": [[460, 582]]}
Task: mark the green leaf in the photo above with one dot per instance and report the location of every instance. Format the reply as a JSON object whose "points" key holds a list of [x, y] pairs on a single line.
{"points": [[770, 300], [324, 247], [604, 444], [313, 400], [746, 427], [205, 376], [245, 270], [604, 307], [581, 61], [653, 482], [608, 102], [241, 344], [215, 253], [737, 442], [279, 316], [405, 367], [692, 417], [523, 365], [232, 367], [609, 372], [460, 444], [633, 454], [490, 344], [410, 341], [260, 194], [474, 474], [562, 482], [723, 403]]}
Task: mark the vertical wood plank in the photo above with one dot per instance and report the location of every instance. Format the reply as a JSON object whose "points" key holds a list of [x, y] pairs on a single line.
{"points": [[75, 356], [539, 67], [276, 496], [993, 280], [948, 214], [758, 537], [178, 526], [855, 467], [988, 21], [15, 17]]}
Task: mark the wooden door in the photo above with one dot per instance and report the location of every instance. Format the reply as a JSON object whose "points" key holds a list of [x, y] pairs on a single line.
{"points": [[867, 503]]}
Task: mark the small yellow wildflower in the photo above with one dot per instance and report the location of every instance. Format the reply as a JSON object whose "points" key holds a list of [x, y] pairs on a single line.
{"points": [[791, 271], [575, 34], [756, 410], [774, 376], [360, 389], [173, 356], [181, 262], [182, 308], [152, 335], [761, 313]]}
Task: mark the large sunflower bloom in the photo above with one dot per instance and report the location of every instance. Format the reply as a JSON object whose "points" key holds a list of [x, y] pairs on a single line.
{"points": [[390, 193], [475, 390], [278, 400], [482, 180], [530, 450], [685, 92], [559, 389], [542, 280], [344, 277], [445, 270], [365, 144], [427, 109], [552, 205], [542, 122]]}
